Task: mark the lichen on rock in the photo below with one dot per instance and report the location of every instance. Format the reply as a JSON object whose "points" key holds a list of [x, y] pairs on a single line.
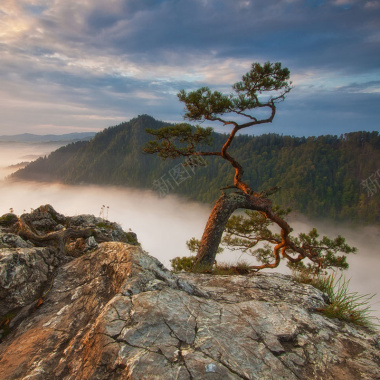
{"points": [[35, 244], [116, 312]]}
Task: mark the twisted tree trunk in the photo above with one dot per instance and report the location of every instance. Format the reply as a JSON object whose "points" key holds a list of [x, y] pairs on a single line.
{"points": [[57, 238], [216, 224]]}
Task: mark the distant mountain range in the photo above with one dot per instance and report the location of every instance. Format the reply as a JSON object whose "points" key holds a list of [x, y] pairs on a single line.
{"points": [[32, 138], [336, 177]]}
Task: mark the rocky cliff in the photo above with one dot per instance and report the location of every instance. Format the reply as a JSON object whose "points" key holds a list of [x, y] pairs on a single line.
{"points": [[78, 301]]}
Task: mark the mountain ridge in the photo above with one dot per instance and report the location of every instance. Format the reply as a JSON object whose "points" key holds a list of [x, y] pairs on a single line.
{"points": [[31, 137], [319, 176]]}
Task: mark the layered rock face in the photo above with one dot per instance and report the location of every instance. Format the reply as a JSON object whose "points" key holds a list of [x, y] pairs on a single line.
{"points": [[33, 246], [115, 312]]}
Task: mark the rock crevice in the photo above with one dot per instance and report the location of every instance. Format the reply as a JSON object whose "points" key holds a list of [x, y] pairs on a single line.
{"points": [[115, 312]]}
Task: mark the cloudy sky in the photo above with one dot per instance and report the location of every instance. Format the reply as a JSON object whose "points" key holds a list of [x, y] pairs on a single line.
{"points": [[69, 65]]}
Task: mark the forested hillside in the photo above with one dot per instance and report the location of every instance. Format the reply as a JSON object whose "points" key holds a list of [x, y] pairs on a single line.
{"points": [[326, 176]]}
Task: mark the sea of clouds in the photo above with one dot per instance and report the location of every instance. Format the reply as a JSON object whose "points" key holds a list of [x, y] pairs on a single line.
{"points": [[163, 225]]}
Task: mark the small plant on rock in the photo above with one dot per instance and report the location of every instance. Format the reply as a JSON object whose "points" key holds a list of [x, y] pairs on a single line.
{"points": [[186, 263], [344, 305]]}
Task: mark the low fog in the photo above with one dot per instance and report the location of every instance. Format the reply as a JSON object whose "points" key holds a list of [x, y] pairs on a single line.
{"points": [[16, 153], [163, 225]]}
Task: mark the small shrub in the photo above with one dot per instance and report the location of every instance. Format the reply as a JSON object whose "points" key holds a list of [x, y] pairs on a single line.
{"points": [[104, 225], [182, 263], [344, 305], [243, 267], [186, 264], [132, 238], [223, 269], [349, 306], [8, 219]]}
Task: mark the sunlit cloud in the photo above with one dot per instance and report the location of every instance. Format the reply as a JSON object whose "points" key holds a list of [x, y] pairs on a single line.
{"points": [[132, 56], [13, 21]]}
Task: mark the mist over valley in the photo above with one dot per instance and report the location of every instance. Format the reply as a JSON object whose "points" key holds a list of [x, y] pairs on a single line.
{"points": [[21, 153], [131, 131], [321, 177], [164, 224]]}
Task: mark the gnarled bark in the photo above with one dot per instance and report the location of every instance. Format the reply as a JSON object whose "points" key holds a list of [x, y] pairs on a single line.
{"points": [[58, 238], [203, 104], [216, 224]]}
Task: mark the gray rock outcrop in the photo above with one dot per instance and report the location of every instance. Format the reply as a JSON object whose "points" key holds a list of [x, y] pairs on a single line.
{"points": [[27, 267], [115, 312]]}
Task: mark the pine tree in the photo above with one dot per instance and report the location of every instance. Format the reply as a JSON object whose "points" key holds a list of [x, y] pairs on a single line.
{"points": [[259, 90]]}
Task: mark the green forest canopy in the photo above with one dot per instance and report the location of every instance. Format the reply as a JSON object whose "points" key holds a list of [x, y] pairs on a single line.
{"points": [[336, 177]]}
